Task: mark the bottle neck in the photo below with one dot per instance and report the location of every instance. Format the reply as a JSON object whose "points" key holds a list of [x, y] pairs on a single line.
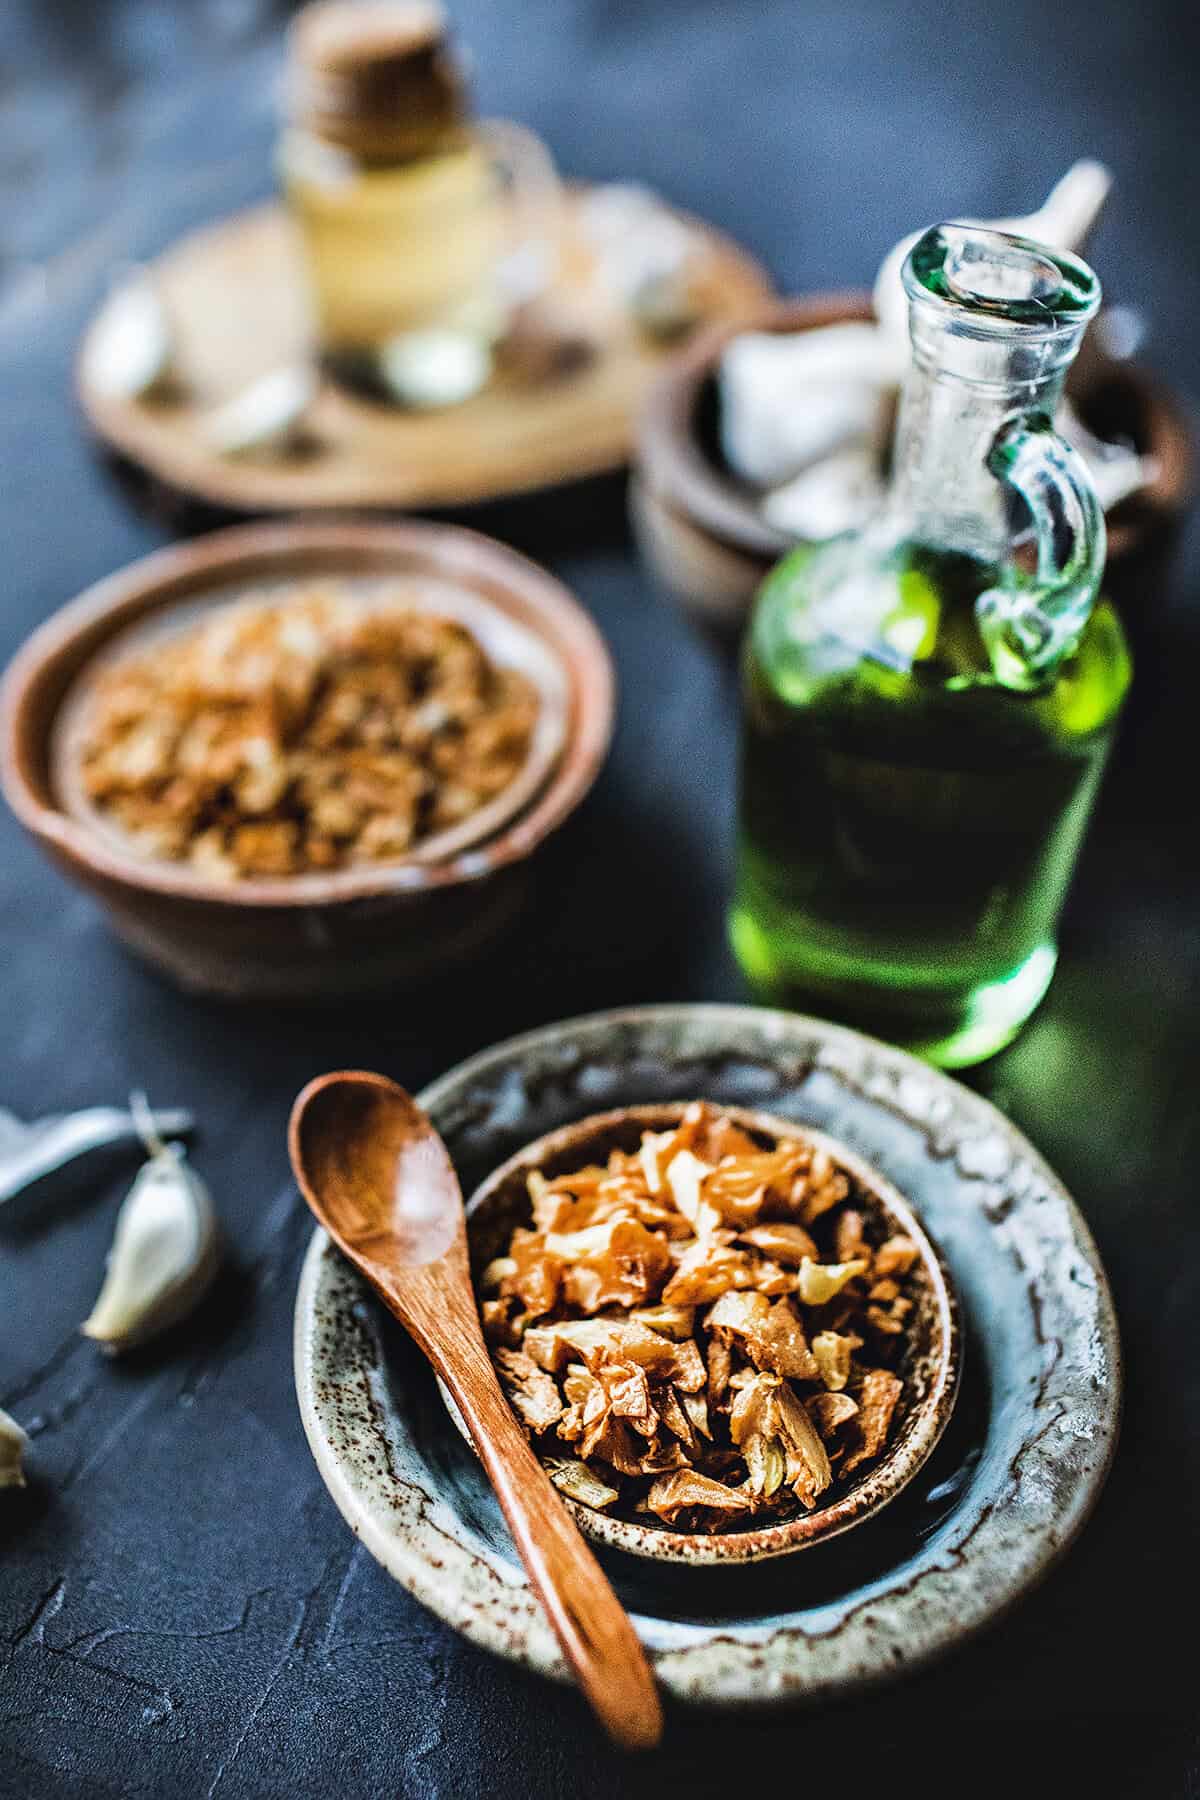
{"points": [[943, 491]]}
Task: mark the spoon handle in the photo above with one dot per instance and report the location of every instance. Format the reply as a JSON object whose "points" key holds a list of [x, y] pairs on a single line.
{"points": [[589, 1621]]}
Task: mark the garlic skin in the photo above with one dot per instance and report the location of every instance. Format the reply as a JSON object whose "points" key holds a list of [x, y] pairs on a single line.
{"points": [[164, 1255], [12, 1448]]}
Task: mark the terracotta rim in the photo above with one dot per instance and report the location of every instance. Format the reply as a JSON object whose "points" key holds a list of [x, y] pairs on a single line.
{"points": [[687, 482], [886, 1478], [42, 673]]}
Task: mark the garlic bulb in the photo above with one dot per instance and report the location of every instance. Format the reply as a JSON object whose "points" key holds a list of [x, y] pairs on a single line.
{"points": [[130, 347], [12, 1448], [165, 1251], [264, 416]]}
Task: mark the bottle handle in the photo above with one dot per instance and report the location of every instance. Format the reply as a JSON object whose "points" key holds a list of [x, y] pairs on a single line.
{"points": [[531, 261], [1030, 624]]}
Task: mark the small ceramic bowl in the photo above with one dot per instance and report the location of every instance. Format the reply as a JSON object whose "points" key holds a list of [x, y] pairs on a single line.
{"points": [[305, 935], [929, 1365], [700, 528]]}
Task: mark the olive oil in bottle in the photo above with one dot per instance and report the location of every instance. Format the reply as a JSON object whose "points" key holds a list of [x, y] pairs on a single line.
{"points": [[926, 719]]}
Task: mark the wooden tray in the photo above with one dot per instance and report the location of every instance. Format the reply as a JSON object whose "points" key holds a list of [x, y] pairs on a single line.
{"points": [[236, 297]]}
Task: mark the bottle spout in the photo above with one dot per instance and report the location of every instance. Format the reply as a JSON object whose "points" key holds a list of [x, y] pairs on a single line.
{"points": [[994, 304], [993, 272]]}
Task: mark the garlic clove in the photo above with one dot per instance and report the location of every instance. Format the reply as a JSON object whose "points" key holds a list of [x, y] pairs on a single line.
{"points": [[165, 1252], [788, 399], [12, 1449], [837, 494], [131, 344], [439, 367], [264, 416]]}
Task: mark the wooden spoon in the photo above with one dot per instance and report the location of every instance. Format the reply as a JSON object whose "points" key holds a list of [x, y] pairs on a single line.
{"points": [[379, 1179]]}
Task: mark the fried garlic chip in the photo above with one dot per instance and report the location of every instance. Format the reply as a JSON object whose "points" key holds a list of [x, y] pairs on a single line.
{"points": [[705, 1271], [533, 1393], [833, 1353], [818, 1283], [575, 1479], [619, 1263], [876, 1404], [771, 1334], [777, 1438], [681, 1492]]}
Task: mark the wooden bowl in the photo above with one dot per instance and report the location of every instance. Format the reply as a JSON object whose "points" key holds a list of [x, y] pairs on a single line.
{"points": [[700, 528], [350, 929], [930, 1363]]}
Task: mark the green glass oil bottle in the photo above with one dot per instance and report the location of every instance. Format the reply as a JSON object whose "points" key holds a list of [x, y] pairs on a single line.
{"points": [[929, 703]]}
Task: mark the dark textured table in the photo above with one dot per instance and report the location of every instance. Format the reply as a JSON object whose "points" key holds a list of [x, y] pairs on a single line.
{"points": [[182, 1611]]}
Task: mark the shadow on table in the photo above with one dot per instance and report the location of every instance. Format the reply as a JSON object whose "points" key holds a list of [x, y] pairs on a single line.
{"points": [[576, 518]]}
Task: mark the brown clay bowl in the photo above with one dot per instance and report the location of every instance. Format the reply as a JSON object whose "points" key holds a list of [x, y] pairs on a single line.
{"points": [[929, 1366], [350, 929], [700, 529]]}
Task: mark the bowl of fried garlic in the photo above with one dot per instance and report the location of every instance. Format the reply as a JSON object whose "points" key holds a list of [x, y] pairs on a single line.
{"points": [[307, 759], [726, 1335]]}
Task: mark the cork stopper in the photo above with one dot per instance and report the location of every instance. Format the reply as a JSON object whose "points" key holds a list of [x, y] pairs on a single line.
{"points": [[376, 77]]}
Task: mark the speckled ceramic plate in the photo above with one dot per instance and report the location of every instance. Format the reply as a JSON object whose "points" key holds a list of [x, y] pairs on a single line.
{"points": [[1009, 1486]]}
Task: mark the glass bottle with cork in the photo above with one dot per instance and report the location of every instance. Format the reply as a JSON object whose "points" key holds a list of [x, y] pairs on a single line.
{"points": [[928, 704], [417, 221]]}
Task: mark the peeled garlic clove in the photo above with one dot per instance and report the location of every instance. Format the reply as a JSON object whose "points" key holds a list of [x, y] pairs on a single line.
{"points": [[264, 416], [12, 1448], [788, 399], [131, 345], [429, 369], [838, 494], [164, 1255]]}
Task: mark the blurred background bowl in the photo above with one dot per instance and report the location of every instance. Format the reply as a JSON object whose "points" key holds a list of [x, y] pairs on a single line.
{"points": [[700, 529], [292, 937]]}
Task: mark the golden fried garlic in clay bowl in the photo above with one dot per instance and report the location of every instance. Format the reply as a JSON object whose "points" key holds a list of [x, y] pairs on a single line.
{"points": [[308, 758], [725, 1334]]}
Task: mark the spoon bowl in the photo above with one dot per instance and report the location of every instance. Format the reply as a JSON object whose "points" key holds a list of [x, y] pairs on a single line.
{"points": [[381, 1182], [378, 1178]]}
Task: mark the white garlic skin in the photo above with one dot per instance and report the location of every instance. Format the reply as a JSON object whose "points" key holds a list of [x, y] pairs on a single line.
{"points": [[12, 1449], [164, 1255]]}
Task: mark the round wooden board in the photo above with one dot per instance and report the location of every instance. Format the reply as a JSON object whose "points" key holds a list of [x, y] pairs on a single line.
{"points": [[236, 298]]}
